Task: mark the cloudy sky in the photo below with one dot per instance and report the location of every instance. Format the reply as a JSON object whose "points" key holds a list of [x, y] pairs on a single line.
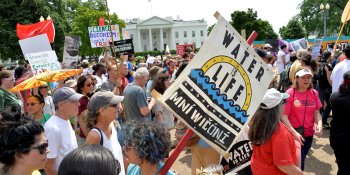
{"points": [[277, 12]]}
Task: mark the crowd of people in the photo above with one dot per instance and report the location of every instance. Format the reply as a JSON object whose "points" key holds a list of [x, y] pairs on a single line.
{"points": [[104, 120]]}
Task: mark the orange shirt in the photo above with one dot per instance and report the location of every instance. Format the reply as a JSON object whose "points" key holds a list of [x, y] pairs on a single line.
{"points": [[279, 150]]}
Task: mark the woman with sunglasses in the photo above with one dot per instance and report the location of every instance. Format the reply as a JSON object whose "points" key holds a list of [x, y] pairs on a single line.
{"points": [[101, 115], [7, 99], [302, 111], [85, 88], [23, 145], [145, 146], [89, 159], [35, 105], [49, 107]]}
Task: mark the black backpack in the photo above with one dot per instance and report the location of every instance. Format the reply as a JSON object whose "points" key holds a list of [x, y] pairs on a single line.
{"points": [[284, 81]]}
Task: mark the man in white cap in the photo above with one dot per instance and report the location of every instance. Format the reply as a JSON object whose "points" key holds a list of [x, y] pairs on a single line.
{"points": [[58, 129], [268, 48]]}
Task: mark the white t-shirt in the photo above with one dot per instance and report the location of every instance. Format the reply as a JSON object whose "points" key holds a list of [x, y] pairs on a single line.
{"points": [[113, 145], [100, 80], [338, 72], [61, 139], [280, 65], [49, 107]]}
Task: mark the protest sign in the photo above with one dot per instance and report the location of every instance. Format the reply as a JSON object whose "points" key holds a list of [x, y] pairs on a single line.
{"points": [[182, 49], [299, 44], [100, 35], [124, 46], [221, 88], [43, 61], [70, 52], [316, 48], [239, 156], [125, 34], [39, 43]]}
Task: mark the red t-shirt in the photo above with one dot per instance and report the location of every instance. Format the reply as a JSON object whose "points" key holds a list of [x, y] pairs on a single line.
{"points": [[84, 100], [299, 104], [125, 83], [279, 150]]}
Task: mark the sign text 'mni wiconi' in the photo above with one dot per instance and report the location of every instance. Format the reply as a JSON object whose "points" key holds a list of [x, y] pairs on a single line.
{"points": [[220, 89]]}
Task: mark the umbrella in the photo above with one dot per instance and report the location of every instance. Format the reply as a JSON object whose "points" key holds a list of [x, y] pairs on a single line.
{"points": [[44, 78]]}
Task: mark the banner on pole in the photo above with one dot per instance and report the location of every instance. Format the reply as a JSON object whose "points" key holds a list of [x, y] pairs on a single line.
{"points": [[43, 61], [220, 89], [102, 34], [70, 52]]}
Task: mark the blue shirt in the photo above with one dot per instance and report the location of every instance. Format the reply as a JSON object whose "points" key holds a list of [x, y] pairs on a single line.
{"points": [[136, 170]]}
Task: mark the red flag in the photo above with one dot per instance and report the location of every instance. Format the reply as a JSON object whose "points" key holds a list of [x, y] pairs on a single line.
{"points": [[30, 30], [101, 21]]}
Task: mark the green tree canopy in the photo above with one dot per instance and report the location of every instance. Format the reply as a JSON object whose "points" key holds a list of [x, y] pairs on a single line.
{"points": [[311, 17], [249, 21], [293, 30]]}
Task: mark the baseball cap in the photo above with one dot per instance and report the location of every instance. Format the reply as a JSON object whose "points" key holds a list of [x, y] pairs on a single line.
{"points": [[103, 98], [65, 93], [70, 83], [272, 98], [262, 53], [268, 45], [303, 72]]}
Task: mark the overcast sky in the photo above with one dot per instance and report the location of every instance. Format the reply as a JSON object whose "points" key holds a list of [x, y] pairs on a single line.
{"points": [[277, 12]]}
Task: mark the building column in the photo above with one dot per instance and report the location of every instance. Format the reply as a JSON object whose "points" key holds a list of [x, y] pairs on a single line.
{"points": [[150, 39], [161, 48], [171, 43], [139, 40]]}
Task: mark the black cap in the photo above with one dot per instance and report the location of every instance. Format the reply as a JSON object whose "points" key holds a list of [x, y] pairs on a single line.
{"points": [[260, 52]]}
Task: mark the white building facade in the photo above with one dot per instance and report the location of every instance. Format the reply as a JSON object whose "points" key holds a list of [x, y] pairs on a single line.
{"points": [[157, 33]]}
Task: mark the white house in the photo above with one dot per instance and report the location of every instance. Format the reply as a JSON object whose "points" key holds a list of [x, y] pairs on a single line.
{"points": [[156, 33]]}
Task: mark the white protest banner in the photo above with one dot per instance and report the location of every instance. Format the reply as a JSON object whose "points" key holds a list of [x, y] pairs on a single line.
{"points": [[39, 43], [299, 44], [100, 35], [220, 89], [125, 34], [70, 52], [42, 61]]}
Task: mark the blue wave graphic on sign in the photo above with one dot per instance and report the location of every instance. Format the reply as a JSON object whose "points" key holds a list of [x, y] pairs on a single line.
{"points": [[221, 99]]}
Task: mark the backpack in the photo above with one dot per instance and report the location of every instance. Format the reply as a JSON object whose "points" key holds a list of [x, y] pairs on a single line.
{"points": [[284, 81]]}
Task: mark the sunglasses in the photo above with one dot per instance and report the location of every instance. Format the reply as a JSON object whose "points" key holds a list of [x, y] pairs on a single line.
{"points": [[42, 147], [113, 106], [88, 85], [31, 104]]}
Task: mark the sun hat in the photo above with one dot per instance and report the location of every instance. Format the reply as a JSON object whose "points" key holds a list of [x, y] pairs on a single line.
{"points": [[272, 98], [303, 72]]}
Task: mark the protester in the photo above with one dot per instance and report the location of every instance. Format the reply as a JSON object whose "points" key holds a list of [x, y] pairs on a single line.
{"points": [[49, 107], [135, 102], [99, 72], [71, 83], [267, 48], [130, 76], [274, 148], [153, 73], [302, 111], [281, 58], [7, 99], [340, 131], [35, 107], [297, 64], [23, 146], [58, 129], [102, 112], [2, 67], [89, 159], [21, 74], [123, 72], [162, 115], [340, 69], [145, 146]]}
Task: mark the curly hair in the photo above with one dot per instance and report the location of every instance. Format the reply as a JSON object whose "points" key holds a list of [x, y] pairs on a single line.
{"points": [[151, 141], [17, 135]]}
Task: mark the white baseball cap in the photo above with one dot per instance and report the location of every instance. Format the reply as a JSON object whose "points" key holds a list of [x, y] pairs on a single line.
{"points": [[272, 98], [303, 72], [267, 45]]}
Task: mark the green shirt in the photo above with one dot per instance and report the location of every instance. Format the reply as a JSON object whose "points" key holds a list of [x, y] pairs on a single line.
{"points": [[7, 100], [45, 119]]}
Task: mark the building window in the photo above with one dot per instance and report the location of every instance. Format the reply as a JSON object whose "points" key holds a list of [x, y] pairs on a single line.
{"points": [[154, 36], [185, 34], [131, 36], [202, 33], [176, 34], [177, 43], [193, 34], [164, 34]]}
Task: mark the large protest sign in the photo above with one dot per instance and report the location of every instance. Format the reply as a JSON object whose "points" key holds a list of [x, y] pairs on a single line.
{"points": [[100, 35], [124, 46], [299, 44], [43, 61], [220, 89], [39, 43], [70, 52], [316, 48]]}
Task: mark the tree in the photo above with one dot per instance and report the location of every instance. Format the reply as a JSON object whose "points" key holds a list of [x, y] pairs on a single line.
{"points": [[311, 17], [87, 15], [249, 21], [210, 28], [293, 30]]}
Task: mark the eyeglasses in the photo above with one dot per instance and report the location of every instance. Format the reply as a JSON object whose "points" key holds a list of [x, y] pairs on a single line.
{"points": [[31, 104], [42, 147], [89, 85]]}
